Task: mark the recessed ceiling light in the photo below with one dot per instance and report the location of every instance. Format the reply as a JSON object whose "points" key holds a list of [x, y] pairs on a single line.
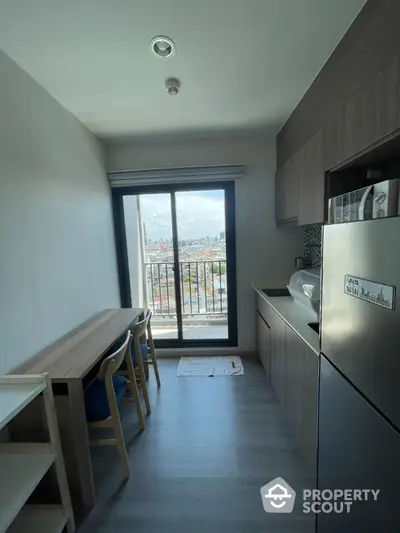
{"points": [[162, 47]]}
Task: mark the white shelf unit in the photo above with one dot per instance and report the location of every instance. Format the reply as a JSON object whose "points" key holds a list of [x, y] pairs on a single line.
{"points": [[39, 519], [24, 464]]}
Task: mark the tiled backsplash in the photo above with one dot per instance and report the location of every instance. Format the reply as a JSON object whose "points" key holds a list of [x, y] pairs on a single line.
{"points": [[312, 245]]}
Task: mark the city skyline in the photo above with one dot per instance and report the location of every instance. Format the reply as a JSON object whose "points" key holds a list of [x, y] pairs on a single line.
{"points": [[200, 214]]}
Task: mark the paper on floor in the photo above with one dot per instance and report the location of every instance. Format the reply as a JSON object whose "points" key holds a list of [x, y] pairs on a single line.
{"points": [[210, 366]]}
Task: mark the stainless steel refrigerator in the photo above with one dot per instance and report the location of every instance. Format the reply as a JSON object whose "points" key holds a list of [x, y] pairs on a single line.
{"points": [[359, 397]]}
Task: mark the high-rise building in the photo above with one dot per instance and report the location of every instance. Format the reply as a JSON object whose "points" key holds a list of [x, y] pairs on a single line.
{"points": [[222, 236], [145, 233]]}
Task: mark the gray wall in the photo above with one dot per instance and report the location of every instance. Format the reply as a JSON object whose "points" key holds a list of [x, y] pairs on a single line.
{"points": [[57, 264], [263, 252]]}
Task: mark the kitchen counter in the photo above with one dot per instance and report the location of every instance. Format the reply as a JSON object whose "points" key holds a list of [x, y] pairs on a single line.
{"points": [[295, 315]]}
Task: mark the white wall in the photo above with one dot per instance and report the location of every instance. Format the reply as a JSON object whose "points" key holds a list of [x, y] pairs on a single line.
{"points": [[57, 265], [133, 245], [264, 253]]}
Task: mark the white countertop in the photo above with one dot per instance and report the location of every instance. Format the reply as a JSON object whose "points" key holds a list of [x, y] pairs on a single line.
{"points": [[296, 315]]}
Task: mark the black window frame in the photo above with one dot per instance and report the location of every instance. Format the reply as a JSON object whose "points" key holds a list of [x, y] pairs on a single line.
{"points": [[118, 194]]}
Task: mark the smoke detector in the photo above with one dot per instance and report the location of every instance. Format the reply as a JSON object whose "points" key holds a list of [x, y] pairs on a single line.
{"points": [[173, 86], [162, 47]]}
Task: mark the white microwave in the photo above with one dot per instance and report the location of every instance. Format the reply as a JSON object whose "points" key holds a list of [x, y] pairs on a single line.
{"points": [[375, 201]]}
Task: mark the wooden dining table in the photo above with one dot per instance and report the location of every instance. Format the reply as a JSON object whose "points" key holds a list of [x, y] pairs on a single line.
{"points": [[72, 362]]}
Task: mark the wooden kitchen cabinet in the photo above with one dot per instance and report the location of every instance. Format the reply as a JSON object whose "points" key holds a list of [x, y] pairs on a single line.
{"points": [[293, 371], [287, 183], [264, 344], [280, 194], [278, 357], [301, 396], [387, 95], [374, 110], [371, 114], [312, 189], [300, 186], [334, 145]]}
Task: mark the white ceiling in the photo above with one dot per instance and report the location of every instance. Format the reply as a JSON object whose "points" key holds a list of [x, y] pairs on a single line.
{"points": [[243, 64]]}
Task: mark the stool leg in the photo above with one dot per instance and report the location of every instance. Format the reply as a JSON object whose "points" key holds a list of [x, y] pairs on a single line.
{"points": [[117, 428], [155, 366], [153, 355], [143, 383], [119, 436], [136, 397], [132, 386]]}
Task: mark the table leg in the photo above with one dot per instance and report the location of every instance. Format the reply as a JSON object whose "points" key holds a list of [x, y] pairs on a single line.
{"points": [[80, 437]]}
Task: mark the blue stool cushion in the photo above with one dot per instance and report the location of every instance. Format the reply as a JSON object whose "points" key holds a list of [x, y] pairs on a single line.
{"points": [[144, 350], [96, 400]]}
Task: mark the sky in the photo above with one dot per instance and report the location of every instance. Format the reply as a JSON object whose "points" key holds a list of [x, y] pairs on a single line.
{"points": [[199, 214]]}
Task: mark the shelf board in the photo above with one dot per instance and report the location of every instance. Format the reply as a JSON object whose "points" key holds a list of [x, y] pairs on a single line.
{"points": [[15, 396], [39, 519], [22, 466]]}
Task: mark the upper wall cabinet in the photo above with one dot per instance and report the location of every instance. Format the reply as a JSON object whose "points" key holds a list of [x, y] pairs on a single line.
{"points": [[387, 95], [300, 186], [374, 111], [334, 147], [288, 179], [312, 190], [369, 116]]}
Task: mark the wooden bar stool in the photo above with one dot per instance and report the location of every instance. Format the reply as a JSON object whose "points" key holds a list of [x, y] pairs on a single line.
{"points": [[138, 330], [127, 370], [134, 366], [102, 398]]}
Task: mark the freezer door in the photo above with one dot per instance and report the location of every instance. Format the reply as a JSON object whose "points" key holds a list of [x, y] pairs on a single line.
{"points": [[357, 449], [360, 337]]}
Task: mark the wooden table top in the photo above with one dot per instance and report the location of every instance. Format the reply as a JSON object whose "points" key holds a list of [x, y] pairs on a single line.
{"points": [[75, 354]]}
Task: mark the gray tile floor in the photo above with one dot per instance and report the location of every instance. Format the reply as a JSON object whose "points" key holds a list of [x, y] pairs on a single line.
{"points": [[209, 446]]}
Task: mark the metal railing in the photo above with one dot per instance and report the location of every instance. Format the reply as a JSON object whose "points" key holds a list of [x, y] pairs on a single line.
{"points": [[203, 288]]}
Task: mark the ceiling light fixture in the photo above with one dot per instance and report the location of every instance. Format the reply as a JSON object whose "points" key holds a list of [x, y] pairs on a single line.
{"points": [[162, 47]]}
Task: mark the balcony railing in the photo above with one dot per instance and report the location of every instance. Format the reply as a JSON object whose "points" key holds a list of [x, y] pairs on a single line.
{"points": [[202, 284]]}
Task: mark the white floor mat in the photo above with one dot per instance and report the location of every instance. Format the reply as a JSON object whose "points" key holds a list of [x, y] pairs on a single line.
{"points": [[210, 366]]}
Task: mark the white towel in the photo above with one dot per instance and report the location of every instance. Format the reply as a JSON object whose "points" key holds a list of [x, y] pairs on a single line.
{"points": [[210, 366]]}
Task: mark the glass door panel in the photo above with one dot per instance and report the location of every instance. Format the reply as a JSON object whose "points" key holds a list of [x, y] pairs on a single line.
{"points": [[200, 222], [155, 227]]}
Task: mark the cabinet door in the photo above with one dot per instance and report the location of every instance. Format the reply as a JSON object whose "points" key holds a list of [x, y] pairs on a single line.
{"points": [[278, 357], [294, 365], [371, 114], [387, 96], [334, 145], [280, 194], [264, 344], [292, 185], [359, 121], [264, 308], [312, 190], [301, 397], [374, 111], [287, 185]]}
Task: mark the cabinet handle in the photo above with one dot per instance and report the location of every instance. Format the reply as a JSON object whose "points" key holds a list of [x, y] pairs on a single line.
{"points": [[263, 319]]}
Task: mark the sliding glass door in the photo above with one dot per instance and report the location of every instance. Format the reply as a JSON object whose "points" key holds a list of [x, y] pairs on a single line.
{"points": [[176, 248], [201, 229]]}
